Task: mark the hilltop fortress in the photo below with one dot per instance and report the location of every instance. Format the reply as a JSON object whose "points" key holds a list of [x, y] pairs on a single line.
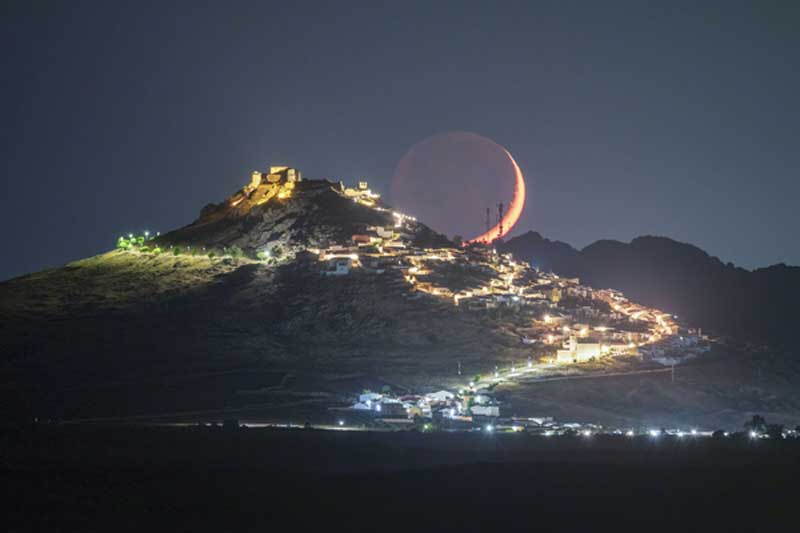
{"points": [[281, 182]]}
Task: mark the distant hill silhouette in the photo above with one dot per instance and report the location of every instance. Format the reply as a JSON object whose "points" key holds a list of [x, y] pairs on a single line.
{"points": [[760, 305]]}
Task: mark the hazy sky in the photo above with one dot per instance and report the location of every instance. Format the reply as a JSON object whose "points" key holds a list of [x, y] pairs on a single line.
{"points": [[627, 119]]}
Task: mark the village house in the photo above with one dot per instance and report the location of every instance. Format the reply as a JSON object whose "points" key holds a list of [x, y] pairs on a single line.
{"points": [[340, 266], [577, 352]]}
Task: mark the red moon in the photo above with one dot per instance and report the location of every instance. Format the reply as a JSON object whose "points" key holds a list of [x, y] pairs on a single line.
{"points": [[450, 179], [514, 209]]}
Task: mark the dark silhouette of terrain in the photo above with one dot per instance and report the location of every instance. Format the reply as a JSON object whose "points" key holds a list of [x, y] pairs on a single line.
{"points": [[757, 305], [90, 478]]}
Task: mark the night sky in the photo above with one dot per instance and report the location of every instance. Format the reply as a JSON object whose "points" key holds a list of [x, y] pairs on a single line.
{"points": [[626, 119]]}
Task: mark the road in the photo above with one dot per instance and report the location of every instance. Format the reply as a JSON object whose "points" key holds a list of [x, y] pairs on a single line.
{"points": [[594, 376], [527, 376]]}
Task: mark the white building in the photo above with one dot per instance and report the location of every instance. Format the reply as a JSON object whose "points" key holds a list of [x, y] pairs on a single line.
{"points": [[485, 410], [340, 266], [578, 352], [483, 398], [369, 397], [440, 396]]}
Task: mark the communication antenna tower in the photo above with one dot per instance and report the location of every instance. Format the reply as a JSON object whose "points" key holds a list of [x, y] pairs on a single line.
{"points": [[500, 220]]}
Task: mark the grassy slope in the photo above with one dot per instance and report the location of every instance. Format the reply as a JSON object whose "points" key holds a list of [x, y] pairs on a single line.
{"points": [[114, 280]]}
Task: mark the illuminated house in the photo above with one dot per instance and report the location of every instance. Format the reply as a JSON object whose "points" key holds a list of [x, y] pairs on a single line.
{"points": [[385, 233], [361, 194], [575, 352], [340, 266], [489, 411], [361, 239]]}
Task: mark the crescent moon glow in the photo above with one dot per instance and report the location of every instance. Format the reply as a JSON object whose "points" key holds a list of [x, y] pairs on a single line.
{"points": [[514, 209]]}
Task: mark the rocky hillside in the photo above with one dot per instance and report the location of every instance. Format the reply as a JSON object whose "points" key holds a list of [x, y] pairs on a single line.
{"points": [[313, 214]]}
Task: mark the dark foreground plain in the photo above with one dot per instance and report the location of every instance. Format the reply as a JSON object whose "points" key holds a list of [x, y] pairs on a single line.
{"points": [[125, 478]]}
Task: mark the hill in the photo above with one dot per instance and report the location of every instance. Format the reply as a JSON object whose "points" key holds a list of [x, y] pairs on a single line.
{"points": [[682, 279], [291, 296], [236, 298], [292, 215]]}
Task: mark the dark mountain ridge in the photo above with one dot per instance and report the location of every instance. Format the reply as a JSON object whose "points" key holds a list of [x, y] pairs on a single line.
{"points": [[679, 278]]}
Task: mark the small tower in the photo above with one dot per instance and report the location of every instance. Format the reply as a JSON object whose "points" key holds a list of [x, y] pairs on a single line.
{"points": [[499, 220]]}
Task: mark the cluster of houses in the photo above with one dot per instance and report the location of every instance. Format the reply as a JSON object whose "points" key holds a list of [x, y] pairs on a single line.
{"points": [[676, 349], [566, 319], [475, 410], [595, 324], [464, 408]]}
